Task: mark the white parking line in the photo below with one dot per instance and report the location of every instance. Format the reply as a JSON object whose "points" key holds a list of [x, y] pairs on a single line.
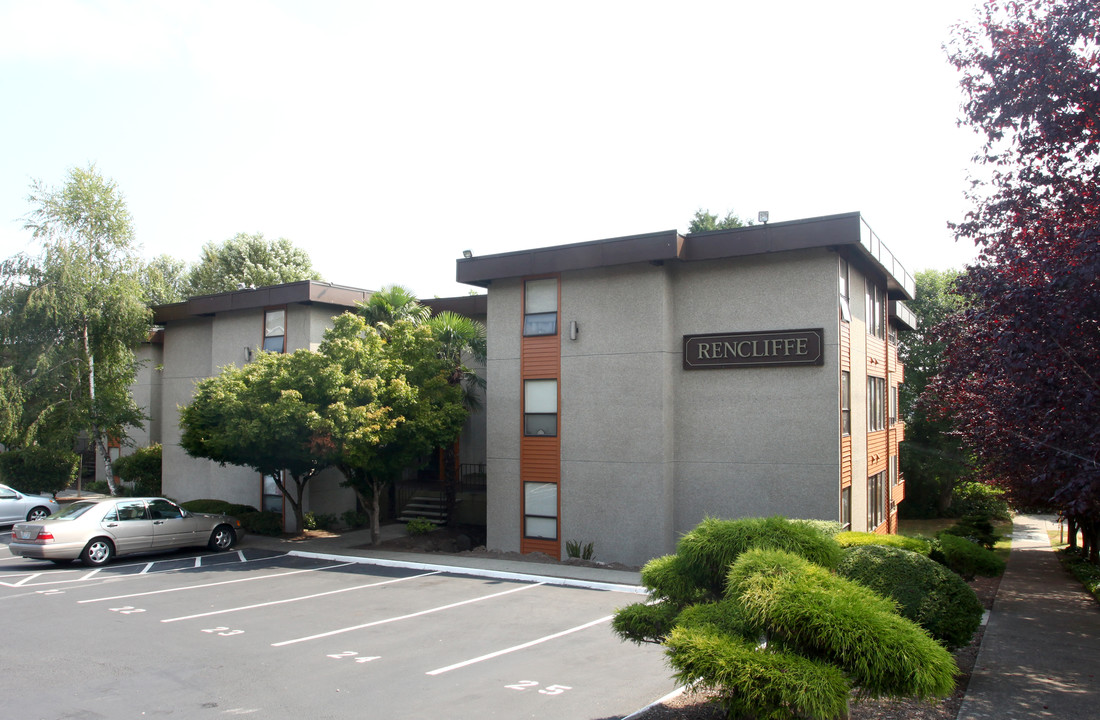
{"points": [[514, 648], [145, 571], [404, 617], [206, 585], [29, 577], [296, 599]]}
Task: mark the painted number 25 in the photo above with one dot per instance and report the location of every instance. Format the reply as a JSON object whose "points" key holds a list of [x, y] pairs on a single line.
{"points": [[531, 684]]}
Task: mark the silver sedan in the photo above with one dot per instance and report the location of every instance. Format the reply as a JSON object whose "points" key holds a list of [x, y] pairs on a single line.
{"points": [[16, 506], [97, 530]]}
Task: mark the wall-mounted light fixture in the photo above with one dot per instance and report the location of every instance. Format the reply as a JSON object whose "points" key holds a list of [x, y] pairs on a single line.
{"points": [[574, 328], [248, 354], [762, 216], [467, 254]]}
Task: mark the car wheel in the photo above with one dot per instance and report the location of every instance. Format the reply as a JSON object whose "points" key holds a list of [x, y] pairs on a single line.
{"points": [[38, 513], [97, 552], [222, 538]]}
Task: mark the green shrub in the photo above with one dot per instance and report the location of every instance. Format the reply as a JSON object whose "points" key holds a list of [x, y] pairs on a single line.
{"points": [[975, 528], [708, 550], [750, 683], [142, 467], [926, 592], [574, 549], [666, 578], [354, 520], [827, 527], [217, 507], [36, 470], [419, 526], [965, 557], [806, 609], [101, 487], [857, 539], [645, 622], [1082, 569], [262, 523], [973, 498]]}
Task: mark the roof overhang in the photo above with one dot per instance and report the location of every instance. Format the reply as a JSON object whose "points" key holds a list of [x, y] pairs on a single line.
{"points": [[304, 292], [848, 234]]}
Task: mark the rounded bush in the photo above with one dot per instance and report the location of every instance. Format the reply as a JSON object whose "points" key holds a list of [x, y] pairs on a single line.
{"points": [[708, 550], [926, 592], [966, 558], [262, 523], [856, 539]]}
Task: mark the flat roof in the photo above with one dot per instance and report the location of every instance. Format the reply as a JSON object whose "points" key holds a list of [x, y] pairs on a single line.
{"points": [[304, 292], [848, 233]]}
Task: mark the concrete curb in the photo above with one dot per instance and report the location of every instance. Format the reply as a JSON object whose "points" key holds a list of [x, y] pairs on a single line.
{"points": [[474, 571]]}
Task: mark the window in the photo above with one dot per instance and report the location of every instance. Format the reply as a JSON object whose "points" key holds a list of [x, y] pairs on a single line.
{"points": [[540, 510], [540, 307], [845, 402], [132, 510], [893, 405], [164, 510], [272, 496], [876, 500], [894, 479], [876, 404], [540, 407], [845, 309], [875, 311], [275, 330], [846, 507]]}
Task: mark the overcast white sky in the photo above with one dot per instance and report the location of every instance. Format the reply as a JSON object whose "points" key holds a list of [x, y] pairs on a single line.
{"points": [[386, 137]]}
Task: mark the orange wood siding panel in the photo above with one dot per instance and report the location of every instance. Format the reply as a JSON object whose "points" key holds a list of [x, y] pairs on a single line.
{"points": [[540, 357], [550, 547], [846, 461], [877, 446], [876, 356]]}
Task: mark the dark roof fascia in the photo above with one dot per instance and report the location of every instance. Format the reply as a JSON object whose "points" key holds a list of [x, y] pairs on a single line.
{"points": [[651, 247], [304, 292], [846, 233], [472, 306]]}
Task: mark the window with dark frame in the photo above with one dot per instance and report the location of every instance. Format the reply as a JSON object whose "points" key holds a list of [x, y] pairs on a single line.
{"points": [[846, 507], [845, 402], [275, 330], [540, 510], [876, 404], [540, 307], [272, 500], [876, 500], [540, 408], [875, 310], [893, 405], [844, 288]]}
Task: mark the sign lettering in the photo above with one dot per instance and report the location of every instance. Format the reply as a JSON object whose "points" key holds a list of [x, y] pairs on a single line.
{"points": [[759, 349]]}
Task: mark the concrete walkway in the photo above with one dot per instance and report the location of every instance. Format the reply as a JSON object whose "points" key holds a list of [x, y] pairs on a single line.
{"points": [[1040, 657], [354, 546]]}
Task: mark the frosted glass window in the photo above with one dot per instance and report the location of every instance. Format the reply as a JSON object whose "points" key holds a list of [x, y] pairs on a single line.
{"points": [[540, 507], [275, 330], [542, 296], [540, 407], [541, 528]]}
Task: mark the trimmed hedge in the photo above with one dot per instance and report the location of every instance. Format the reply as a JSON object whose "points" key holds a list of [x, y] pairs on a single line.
{"points": [[857, 539], [807, 609], [706, 552], [218, 507], [926, 592], [966, 558]]}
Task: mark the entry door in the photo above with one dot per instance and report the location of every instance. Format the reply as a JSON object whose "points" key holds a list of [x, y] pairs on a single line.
{"points": [[129, 524]]}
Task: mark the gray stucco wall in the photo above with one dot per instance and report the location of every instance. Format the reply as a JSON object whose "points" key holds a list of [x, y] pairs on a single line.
{"points": [[649, 449]]}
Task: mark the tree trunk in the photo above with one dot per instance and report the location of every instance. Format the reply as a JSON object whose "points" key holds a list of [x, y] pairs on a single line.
{"points": [[943, 500], [1071, 528], [373, 506], [97, 436]]}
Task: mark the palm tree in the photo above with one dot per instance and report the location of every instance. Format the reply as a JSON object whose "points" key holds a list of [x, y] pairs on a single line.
{"points": [[459, 337]]}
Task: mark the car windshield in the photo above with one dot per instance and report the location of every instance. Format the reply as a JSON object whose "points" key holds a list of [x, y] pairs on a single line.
{"points": [[74, 510]]}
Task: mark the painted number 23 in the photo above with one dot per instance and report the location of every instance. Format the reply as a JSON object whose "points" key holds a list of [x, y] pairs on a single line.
{"points": [[530, 684]]}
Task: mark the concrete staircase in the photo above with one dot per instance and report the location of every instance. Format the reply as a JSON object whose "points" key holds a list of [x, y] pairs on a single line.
{"points": [[428, 505]]}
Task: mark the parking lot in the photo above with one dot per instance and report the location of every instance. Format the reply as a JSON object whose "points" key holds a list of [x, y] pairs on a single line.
{"points": [[263, 633]]}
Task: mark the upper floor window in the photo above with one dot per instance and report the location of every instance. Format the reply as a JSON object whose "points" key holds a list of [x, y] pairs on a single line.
{"points": [[540, 307], [876, 310], [876, 403], [893, 405], [275, 330], [844, 285], [845, 402], [540, 407]]}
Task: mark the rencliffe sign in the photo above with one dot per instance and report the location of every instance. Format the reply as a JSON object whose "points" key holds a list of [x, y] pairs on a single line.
{"points": [[776, 348]]}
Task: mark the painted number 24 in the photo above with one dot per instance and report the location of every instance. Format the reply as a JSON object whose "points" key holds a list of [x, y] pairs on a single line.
{"points": [[548, 690]]}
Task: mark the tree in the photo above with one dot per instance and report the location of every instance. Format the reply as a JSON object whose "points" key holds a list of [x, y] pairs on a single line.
{"points": [[933, 458], [164, 280], [258, 416], [249, 261], [395, 403], [704, 221], [1021, 371], [71, 317], [459, 337]]}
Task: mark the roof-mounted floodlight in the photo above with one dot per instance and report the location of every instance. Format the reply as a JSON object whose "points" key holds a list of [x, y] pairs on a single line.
{"points": [[467, 254], [762, 216]]}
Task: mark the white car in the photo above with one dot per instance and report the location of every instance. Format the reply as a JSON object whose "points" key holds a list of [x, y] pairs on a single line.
{"points": [[97, 530], [17, 507]]}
